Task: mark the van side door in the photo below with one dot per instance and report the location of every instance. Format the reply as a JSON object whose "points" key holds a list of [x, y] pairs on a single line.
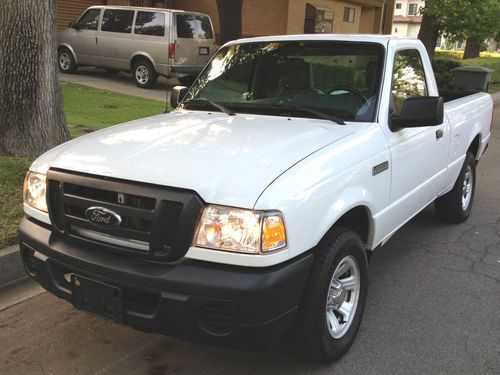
{"points": [[84, 41], [115, 42]]}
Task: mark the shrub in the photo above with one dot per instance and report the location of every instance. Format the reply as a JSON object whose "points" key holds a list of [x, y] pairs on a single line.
{"points": [[442, 66]]}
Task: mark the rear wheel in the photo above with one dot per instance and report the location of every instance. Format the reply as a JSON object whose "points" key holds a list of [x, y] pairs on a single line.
{"points": [[456, 205], [65, 61], [144, 74], [334, 300]]}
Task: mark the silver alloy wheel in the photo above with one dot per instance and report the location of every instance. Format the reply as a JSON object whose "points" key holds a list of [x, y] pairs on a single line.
{"points": [[467, 188], [142, 74], [343, 296], [65, 61]]}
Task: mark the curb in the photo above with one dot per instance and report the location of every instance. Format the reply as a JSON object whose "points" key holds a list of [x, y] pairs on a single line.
{"points": [[11, 266]]}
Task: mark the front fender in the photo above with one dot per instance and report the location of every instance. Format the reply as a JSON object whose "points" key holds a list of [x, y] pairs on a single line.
{"points": [[315, 193]]}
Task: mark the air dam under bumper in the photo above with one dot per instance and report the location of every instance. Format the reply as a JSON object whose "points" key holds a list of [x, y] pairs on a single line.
{"points": [[192, 300]]}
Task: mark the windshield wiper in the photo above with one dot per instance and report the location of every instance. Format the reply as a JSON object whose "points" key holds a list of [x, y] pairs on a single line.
{"points": [[220, 107], [324, 116]]}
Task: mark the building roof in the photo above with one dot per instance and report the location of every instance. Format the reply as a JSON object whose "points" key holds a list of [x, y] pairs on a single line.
{"points": [[407, 19]]}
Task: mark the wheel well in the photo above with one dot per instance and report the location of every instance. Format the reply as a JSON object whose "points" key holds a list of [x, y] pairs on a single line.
{"points": [[358, 220], [137, 58], [474, 147]]}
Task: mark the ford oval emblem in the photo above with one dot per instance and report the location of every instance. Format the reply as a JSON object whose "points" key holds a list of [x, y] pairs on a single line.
{"points": [[102, 217]]}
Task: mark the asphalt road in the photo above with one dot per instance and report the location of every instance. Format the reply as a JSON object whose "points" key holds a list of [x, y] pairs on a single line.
{"points": [[433, 307]]}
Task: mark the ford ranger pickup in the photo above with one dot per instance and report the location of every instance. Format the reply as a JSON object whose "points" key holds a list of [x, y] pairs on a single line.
{"points": [[250, 210]]}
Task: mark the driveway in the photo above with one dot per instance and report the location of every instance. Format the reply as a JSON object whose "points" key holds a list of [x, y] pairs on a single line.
{"points": [[119, 82], [433, 307]]}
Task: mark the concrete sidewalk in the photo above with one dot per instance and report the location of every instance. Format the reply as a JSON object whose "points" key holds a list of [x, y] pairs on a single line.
{"points": [[122, 83]]}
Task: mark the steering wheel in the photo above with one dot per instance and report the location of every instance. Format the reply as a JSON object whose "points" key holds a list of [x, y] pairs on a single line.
{"points": [[351, 90]]}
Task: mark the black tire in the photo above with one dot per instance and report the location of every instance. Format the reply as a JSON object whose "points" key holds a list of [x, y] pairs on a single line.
{"points": [[186, 81], [312, 328], [66, 61], [144, 74], [454, 206]]}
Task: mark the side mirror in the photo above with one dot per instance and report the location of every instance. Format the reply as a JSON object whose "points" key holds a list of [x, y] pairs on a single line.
{"points": [[419, 111], [177, 95]]}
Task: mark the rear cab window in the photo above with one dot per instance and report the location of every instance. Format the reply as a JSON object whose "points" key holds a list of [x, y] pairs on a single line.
{"points": [[150, 23], [192, 26], [117, 21]]}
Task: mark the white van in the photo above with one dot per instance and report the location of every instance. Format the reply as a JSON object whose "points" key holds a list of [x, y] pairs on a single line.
{"points": [[145, 41]]}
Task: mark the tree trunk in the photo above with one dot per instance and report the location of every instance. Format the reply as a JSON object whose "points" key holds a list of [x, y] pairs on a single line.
{"points": [[31, 106], [230, 19], [472, 49], [429, 33]]}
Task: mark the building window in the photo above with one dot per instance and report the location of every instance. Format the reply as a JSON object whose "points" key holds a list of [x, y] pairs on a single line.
{"points": [[412, 9], [398, 5], [349, 14], [318, 20]]}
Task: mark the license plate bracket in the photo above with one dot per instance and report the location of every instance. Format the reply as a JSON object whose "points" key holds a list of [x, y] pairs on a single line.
{"points": [[97, 297]]}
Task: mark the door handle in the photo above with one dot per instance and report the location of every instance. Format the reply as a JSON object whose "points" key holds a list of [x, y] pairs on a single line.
{"points": [[95, 40], [439, 133]]}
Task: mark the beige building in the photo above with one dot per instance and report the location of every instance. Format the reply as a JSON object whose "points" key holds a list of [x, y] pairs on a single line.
{"points": [[270, 17], [407, 18]]}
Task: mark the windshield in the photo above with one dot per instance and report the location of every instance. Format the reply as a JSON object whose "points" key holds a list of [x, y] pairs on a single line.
{"points": [[287, 78]]}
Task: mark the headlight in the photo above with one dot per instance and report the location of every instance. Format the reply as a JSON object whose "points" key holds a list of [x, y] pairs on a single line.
{"points": [[245, 231], [34, 190]]}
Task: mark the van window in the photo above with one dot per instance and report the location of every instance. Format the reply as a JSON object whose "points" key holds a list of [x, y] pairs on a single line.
{"points": [[194, 27], [89, 20], [117, 20], [150, 23]]}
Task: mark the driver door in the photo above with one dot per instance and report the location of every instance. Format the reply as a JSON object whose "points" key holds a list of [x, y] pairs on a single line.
{"points": [[418, 154], [85, 37]]}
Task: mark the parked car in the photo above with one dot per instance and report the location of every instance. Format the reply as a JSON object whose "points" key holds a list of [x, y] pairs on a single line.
{"points": [[146, 41], [252, 208]]}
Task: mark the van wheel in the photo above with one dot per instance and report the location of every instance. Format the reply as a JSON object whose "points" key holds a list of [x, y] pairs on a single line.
{"points": [[331, 311], [65, 61], [456, 205], [144, 74]]}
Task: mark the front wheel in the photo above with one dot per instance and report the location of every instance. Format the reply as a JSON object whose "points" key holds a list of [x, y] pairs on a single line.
{"points": [[65, 61], [456, 205], [334, 300]]}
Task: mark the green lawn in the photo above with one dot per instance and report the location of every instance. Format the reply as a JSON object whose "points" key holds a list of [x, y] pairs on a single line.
{"points": [[86, 110], [89, 109]]}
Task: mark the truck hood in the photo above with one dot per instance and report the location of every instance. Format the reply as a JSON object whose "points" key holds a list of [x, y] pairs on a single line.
{"points": [[227, 160]]}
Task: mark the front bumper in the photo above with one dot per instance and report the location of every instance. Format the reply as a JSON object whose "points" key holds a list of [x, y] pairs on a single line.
{"points": [[191, 300]]}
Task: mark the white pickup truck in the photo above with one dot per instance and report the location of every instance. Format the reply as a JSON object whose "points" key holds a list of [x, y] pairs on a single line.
{"points": [[252, 208]]}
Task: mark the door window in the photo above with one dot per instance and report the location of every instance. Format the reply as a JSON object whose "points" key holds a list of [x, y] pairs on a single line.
{"points": [[408, 78], [150, 23], [89, 20], [194, 27], [117, 20]]}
